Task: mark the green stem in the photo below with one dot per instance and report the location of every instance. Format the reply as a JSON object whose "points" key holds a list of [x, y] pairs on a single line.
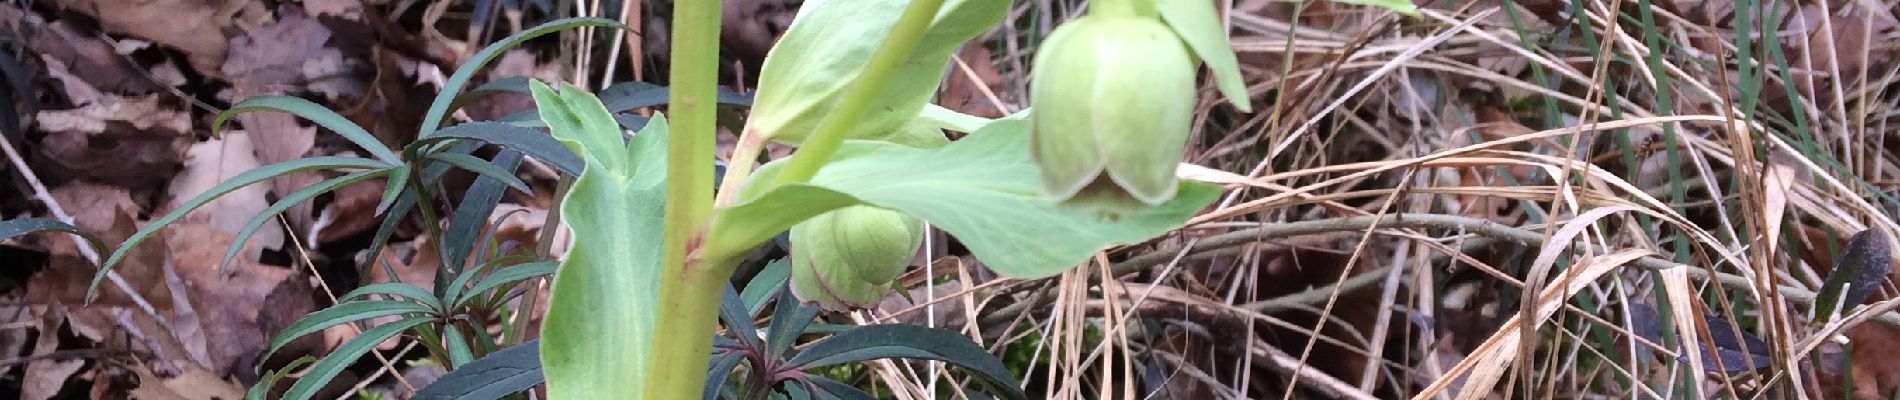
{"points": [[895, 51], [689, 291]]}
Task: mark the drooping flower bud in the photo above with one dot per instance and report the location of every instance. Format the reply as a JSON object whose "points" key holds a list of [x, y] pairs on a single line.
{"points": [[1112, 100], [847, 258]]}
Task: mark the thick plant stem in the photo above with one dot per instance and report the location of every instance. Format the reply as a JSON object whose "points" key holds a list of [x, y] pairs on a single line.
{"points": [[831, 131], [689, 291]]}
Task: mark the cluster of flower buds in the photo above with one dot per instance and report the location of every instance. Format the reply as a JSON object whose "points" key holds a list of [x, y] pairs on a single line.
{"points": [[1112, 102], [847, 258]]}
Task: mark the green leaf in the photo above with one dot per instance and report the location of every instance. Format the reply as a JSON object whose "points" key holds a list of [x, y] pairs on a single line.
{"points": [[21, 226], [769, 281], [1404, 7], [315, 113], [457, 345], [909, 341], [246, 178], [722, 366], [471, 215], [528, 141], [1858, 273], [738, 322], [983, 189], [343, 313], [395, 289], [292, 200], [439, 109], [262, 389], [832, 389], [600, 318], [320, 375], [1199, 25], [829, 44], [947, 119], [482, 167], [501, 373], [393, 189], [789, 320], [508, 276]]}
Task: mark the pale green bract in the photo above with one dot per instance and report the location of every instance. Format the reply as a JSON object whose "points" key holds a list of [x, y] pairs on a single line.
{"points": [[848, 257], [599, 327], [983, 189], [829, 44], [1114, 100]]}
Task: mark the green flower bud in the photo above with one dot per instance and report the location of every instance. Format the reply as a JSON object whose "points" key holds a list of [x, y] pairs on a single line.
{"points": [[847, 258], [1112, 100]]}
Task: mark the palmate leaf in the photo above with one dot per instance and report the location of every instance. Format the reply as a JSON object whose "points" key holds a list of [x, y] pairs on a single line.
{"points": [[600, 321], [982, 189]]}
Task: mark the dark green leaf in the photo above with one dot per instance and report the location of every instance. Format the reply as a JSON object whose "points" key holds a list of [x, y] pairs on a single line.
{"points": [[482, 167], [788, 321], [291, 200], [246, 178], [342, 314], [508, 276], [393, 189], [766, 284], [315, 113], [1861, 269], [261, 390], [439, 108], [831, 389], [457, 345], [471, 215], [395, 289], [722, 366], [910, 341], [1737, 353], [501, 373], [529, 141], [738, 322], [320, 375], [21, 226]]}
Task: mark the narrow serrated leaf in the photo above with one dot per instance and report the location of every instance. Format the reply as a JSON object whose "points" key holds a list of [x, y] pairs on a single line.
{"points": [[722, 366], [738, 322], [21, 226], [405, 291], [439, 109], [529, 141], [507, 276], [471, 215], [766, 284], [832, 389], [483, 168]]}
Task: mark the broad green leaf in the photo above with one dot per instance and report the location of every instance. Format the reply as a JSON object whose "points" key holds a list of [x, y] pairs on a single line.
{"points": [[529, 141], [343, 313], [246, 178], [507, 276], [440, 108], [947, 119], [21, 226], [983, 189], [600, 319], [1199, 25], [498, 374], [911, 342], [829, 44], [315, 113], [395, 289], [292, 200], [320, 374], [1858, 273]]}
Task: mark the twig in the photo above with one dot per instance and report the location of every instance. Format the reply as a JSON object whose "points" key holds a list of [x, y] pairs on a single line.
{"points": [[85, 249]]}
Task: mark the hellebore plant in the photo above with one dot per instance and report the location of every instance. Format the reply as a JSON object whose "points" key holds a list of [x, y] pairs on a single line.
{"points": [[849, 85]]}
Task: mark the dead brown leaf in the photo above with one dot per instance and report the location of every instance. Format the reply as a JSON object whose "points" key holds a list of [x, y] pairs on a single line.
{"points": [[192, 384], [134, 142], [211, 162], [290, 54], [90, 59], [192, 26], [46, 374]]}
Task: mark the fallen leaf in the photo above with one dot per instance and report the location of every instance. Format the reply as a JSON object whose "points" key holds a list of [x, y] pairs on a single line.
{"points": [[192, 384], [89, 58], [191, 26], [240, 307], [133, 142], [214, 161], [290, 54], [46, 374]]}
